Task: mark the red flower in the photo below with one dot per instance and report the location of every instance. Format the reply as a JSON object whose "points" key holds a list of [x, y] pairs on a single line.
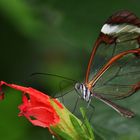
{"points": [[36, 106]]}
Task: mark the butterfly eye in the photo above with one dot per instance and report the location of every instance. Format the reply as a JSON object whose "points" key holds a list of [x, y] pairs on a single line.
{"points": [[77, 86]]}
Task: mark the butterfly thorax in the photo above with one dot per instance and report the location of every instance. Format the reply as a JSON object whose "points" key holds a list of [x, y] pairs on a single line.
{"points": [[83, 91]]}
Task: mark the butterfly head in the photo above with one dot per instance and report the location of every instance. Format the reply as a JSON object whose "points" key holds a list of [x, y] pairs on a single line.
{"points": [[83, 91]]}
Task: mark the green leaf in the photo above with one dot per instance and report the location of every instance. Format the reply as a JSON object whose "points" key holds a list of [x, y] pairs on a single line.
{"points": [[87, 124], [79, 128], [61, 134]]}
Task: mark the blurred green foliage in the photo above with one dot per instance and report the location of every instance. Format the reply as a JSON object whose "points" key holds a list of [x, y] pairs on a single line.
{"points": [[55, 37]]}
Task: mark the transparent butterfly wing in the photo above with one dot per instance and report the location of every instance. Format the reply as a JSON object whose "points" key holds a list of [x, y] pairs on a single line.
{"points": [[121, 79], [105, 52], [50, 84]]}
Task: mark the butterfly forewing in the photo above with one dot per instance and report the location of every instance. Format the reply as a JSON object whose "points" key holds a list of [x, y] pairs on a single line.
{"points": [[121, 79], [106, 52], [120, 32], [101, 57]]}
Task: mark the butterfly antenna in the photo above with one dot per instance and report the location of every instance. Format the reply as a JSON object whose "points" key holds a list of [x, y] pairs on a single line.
{"points": [[55, 75]]}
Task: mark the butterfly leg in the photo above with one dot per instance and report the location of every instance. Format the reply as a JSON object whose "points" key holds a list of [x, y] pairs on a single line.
{"points": [[93, 109], [90, 115], [76, 103]]}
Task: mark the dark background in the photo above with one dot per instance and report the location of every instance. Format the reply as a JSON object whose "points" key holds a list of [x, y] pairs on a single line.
{"points": [[55, 37]]}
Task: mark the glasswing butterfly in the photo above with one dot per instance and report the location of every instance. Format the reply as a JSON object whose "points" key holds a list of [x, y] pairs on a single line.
{"points": [[121, 83], [119, 77]]}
